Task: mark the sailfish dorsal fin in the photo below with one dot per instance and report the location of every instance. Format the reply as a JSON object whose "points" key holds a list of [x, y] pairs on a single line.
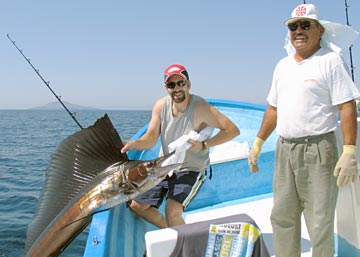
{"points": [[74, 163]]}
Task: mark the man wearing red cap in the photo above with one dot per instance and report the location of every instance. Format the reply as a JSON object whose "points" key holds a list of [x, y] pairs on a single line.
{"points": [[310, 87], [174, 116]]}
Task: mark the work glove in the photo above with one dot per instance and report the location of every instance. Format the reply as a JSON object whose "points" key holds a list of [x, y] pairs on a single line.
{"points": [[346, 167], [254, 154]]}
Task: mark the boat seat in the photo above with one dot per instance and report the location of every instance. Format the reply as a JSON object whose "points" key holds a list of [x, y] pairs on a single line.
{"points": [[236, 234]]}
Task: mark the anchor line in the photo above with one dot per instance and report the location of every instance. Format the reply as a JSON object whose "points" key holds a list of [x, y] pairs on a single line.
{"points": [[47, 83], [350, 48]]}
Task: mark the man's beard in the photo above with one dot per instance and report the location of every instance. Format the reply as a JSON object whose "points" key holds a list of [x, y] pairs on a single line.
{"points": [[178, 98]]}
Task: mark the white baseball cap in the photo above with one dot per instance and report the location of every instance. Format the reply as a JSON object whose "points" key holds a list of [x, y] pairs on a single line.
{"points": [[304, 11]]}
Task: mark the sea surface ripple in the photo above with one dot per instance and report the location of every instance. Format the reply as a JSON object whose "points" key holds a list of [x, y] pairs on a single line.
{"points": [[27, 140]]}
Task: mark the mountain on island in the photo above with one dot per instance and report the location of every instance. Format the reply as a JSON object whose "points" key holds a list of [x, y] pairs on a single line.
{"points": [[57, 106]]}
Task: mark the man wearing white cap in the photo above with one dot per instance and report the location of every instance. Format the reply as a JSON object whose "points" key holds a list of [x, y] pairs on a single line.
{"points": [[310, 87], [174, 116]]}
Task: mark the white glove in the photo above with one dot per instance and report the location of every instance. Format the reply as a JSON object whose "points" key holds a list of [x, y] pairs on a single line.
{"points": [[254, 154], [346, 167]]}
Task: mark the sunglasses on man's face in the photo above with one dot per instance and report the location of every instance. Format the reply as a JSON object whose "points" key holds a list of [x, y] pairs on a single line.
{"points": [[172, 85], [305, 25]]}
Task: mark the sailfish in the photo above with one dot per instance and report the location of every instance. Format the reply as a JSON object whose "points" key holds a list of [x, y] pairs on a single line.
{"points": [[87, 174]]}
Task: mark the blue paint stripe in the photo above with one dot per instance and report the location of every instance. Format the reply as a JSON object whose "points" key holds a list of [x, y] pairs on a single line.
{"points": [[345, 249]]}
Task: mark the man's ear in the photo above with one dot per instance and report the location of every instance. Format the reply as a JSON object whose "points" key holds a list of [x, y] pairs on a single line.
{"points": [[322, 30]]}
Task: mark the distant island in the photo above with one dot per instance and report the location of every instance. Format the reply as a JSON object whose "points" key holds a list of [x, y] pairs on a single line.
{"points": [[57, 106]]}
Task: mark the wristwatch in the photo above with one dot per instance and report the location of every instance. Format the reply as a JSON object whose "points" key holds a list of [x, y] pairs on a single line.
{"points": [[204, 145]]}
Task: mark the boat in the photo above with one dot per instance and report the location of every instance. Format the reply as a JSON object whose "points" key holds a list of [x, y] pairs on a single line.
{"points": [[231, 190]]}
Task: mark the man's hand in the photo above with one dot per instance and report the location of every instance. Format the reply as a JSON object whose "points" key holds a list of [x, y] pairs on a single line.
{"points": [[254, 154], [346, 167], [127, 146]]}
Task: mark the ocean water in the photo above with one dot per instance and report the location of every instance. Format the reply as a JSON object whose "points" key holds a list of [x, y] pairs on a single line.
{"points": [[27, 140]]}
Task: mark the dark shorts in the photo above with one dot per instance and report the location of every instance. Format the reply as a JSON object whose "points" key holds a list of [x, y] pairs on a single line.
{"points": [[181, 187]]}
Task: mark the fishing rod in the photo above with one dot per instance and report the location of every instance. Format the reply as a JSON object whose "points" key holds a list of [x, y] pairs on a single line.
{"points": [[350, 48], [47, 83]]}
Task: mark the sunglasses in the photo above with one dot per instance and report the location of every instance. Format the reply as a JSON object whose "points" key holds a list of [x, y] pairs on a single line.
{"points": [[305, 25], [172, 85]]}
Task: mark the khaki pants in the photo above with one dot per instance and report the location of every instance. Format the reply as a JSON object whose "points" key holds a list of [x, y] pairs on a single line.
{"points": [[304, 183]]}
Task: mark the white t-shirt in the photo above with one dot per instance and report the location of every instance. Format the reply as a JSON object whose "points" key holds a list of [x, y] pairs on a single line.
{"points": [[306, 94]]}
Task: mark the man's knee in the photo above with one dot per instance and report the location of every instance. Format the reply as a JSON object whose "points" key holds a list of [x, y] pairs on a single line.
{"points": [[137, 207], [174, 209]]}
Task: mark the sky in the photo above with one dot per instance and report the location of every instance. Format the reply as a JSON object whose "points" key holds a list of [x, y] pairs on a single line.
{"points": [[112, 54]]}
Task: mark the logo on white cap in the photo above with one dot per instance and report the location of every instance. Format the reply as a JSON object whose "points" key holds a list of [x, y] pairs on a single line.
{"points": [[300, 11]]}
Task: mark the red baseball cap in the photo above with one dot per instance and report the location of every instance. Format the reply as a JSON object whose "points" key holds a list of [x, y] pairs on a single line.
{"points": [[175, 69]]}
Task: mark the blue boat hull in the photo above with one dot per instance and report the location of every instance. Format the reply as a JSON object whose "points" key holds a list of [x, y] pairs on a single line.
{"points": [[120, 233]]}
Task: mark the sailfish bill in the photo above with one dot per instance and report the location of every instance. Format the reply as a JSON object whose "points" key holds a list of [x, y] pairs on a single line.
{"points": [[87, 174]]}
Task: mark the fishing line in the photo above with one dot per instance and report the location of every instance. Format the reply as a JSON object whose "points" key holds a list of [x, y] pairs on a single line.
{"points": [[47, 83], [350, 48]]}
